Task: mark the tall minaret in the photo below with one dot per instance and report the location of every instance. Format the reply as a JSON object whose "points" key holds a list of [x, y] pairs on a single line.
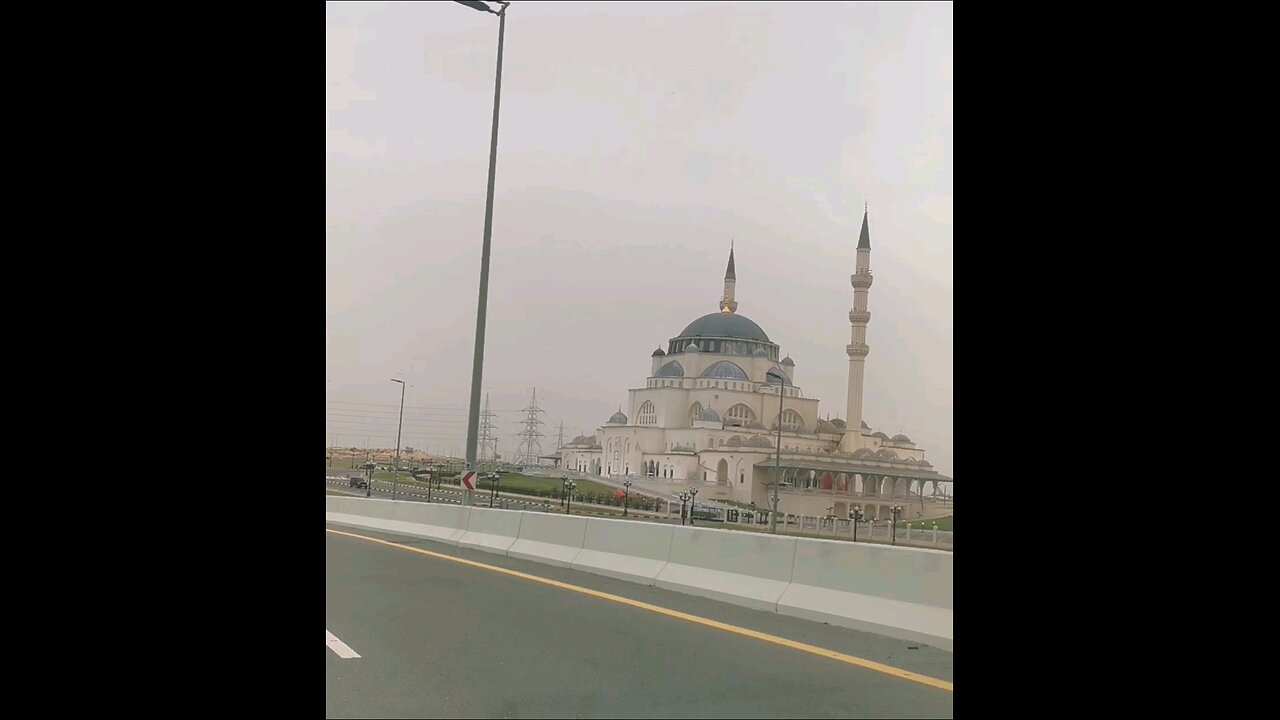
{"points": [[858, 348], [727, 303]]}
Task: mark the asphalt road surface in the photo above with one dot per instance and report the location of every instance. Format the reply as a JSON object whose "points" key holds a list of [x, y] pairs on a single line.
{"points": [[414, 635]]}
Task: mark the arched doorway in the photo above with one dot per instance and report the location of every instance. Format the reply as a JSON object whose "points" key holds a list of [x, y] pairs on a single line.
{"points": [[841, 510], [825, 482], [722, 472]]}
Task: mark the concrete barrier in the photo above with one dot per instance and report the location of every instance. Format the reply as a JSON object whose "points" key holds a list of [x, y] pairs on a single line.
{"points": [[367, 507], [491, 530], [550, 539], [900, 592], [747, 569], [362, 512], [445, 523], [626, 550]]}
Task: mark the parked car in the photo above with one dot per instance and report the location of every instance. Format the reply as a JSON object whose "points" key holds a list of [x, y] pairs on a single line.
{"points": [[359, 482]]}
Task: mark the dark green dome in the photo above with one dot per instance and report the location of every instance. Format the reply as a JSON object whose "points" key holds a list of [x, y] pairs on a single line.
{"points": [[725, 325]]}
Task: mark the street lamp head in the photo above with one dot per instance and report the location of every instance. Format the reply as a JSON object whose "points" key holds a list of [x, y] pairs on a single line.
{"points": [[478, 5], [397, 380]]}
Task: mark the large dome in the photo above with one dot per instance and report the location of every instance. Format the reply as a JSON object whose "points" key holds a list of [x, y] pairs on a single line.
{"points": [[725, 325]]}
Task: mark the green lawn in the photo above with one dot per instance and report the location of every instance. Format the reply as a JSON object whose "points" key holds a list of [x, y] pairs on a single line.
{"points": [[520, 483]]}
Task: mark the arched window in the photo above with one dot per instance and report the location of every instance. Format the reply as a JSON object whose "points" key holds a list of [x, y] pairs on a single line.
{"points": [[695, 411], [648, 415], [791, 421], [739, 415]]}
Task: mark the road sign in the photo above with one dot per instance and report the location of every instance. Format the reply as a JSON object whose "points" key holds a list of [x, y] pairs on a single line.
{"points": [[469, 479]]}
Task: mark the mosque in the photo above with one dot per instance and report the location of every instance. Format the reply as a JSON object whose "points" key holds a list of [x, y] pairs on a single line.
{"points": [[709, 415]]}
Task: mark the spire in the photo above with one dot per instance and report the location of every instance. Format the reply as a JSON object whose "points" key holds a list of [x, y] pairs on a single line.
{"points": [[864, 238], [727, 303]]}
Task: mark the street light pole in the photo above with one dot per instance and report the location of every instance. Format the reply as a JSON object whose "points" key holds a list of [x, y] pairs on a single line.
{"points": [[693, 499], [395, 472], [626, 500], [477, 365], [894, 532], [777, 464]]}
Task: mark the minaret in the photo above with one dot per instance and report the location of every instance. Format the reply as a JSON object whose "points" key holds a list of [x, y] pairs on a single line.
{"points": [[727, 303], [858, 349]]}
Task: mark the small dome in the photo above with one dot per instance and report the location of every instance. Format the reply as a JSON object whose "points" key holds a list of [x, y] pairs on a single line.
{"points": [[788, 361], [672, 369], [900, 438], [839, 423], [880, 435], [886, 454], [617, 419], [581, 440], [862, 453], [658, 353], [735, 441], [726, 370], [759, 441], [709, 415]]}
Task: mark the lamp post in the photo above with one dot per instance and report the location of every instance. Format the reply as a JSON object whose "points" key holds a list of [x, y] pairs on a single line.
{"points": [[494, 490], [831, 518], [564, 482], [626, 499], [395, 472], [684, 498], [368, 479], [693, 500], [856, 517], [477, 366], [568, 496], [777, 464], [896, 509]]}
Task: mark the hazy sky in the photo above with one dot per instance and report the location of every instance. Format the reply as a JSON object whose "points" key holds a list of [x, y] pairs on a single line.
{"points": [[636, 140]]}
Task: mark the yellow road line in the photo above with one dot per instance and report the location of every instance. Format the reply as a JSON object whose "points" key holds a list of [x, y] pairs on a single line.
{"points": [[802, 647]]}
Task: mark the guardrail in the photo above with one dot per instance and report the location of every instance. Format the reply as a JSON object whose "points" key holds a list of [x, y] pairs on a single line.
{"points": [[901, 592]]}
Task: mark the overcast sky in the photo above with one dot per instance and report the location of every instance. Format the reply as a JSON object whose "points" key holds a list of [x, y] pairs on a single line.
{"points": [[636, 140]]}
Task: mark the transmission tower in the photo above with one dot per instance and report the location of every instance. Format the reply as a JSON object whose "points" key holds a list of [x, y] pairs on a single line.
{"points": [[530, 448], [560, 437], [488, 439]]}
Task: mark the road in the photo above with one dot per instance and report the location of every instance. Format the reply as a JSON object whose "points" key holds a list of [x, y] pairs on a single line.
{"points": [[439, 638]]}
